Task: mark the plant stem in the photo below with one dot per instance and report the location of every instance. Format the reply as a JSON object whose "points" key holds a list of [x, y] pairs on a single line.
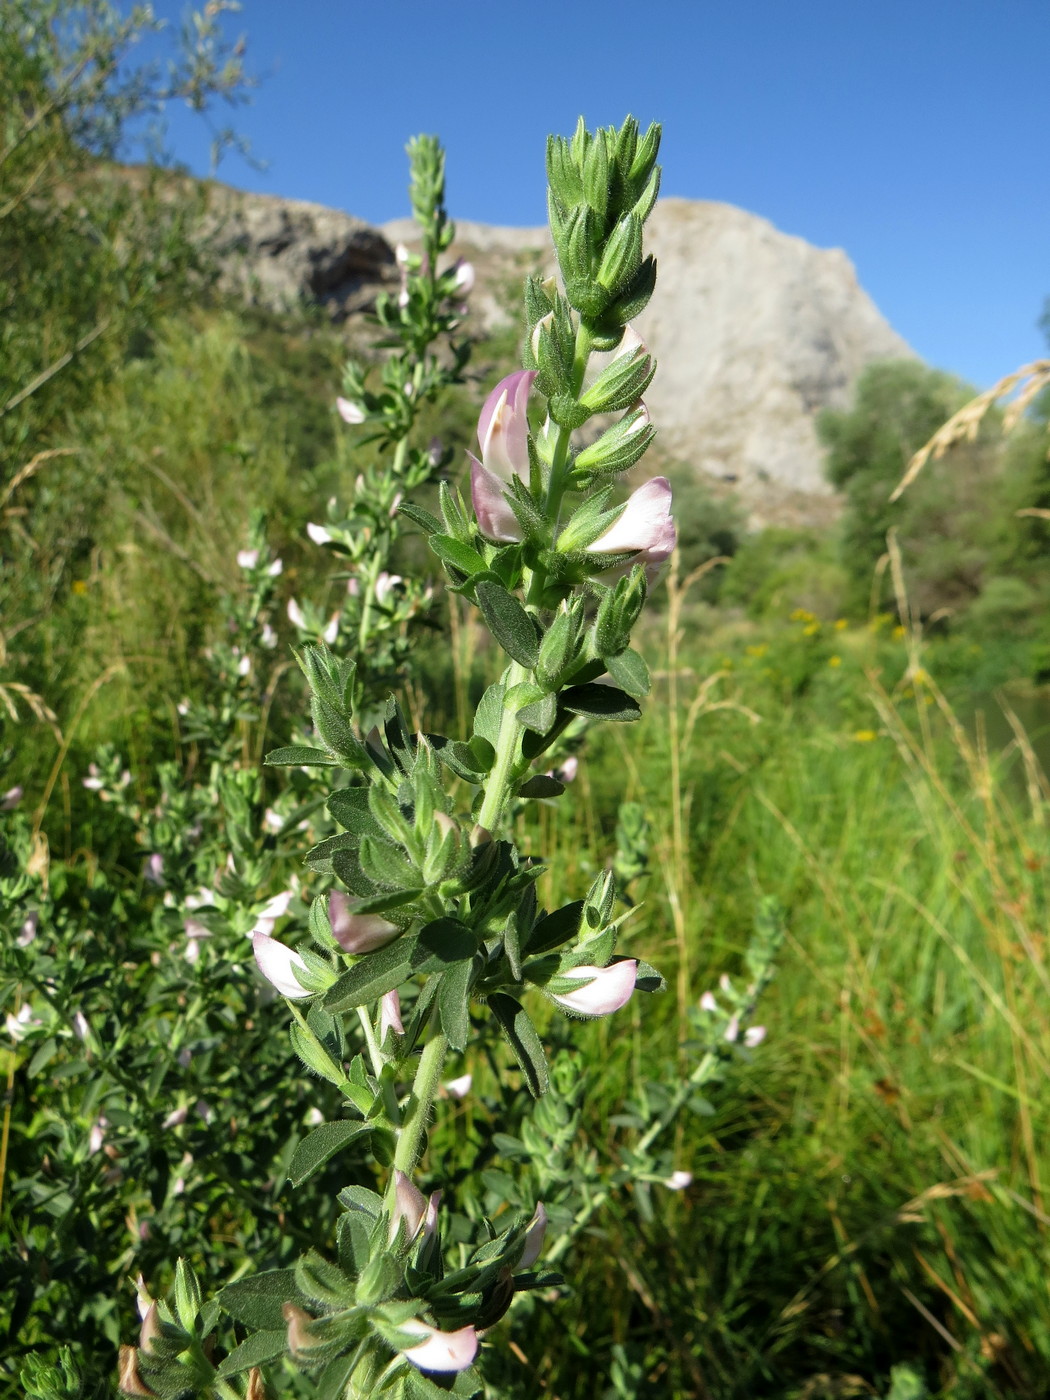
{"points": [[507, 747], [424, 1090], [699, 1076]]}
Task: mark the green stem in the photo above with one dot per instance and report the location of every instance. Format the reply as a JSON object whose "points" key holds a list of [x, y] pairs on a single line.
{"points": [[507, 749], [509, 743], [374, 1052], [424, 1091], [698, 1077]]}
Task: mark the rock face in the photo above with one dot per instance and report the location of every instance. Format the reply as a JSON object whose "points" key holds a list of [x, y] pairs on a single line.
{"points": [[755, 331], [277, 252]]}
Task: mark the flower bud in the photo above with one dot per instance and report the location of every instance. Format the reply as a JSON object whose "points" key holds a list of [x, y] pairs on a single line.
{"points": [[646, 527], [319, 534], [607, 990], [350, 412], [128, 1379], [410, 1206], [390, 1015], [440, 1351], [464, 279], [357, 933], [678, 1181], [295, 615], [754, 1035], [248, 558], [534, 1237], [150, 1329], [300, 1339], [278, 964]]}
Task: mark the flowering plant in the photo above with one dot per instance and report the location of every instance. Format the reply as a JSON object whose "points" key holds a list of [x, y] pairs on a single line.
{"points": [[426, 935]]}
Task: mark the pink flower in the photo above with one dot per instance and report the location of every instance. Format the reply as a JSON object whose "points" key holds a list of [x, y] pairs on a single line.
{"points": [[430, 1220], [276, 568], [357, 933], [630, 342], [503, 427], [496, 520], [440, 1351], [29, 928], [708, 1003], [390, 1015], [350, 412], [645, 527], [247, 558], [295, 615], [10, 800], [732, 1030], [385, 585], [331, 628], [459, 1088], [275, 908], [279, 964], [534, 1237], [176, 1117], [608, 989], [754, 1035], [464, 283], [678, 1181], [410, 1206], [318, 533]]}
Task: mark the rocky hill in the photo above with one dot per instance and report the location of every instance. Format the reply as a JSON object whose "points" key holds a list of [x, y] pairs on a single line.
{"points": [[755, 330]]}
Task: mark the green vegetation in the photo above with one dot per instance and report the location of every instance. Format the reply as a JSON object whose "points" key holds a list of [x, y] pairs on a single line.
{"points": [[868, 1210]]}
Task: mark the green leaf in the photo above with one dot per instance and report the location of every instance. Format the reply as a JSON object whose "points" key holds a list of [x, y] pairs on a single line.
{"points": [[489, 715], [600, 702], [468, 561], [299, 755], [555, 929], [542, 785], [349, 806], [525, 1043], [353, 1236], [376, 974], [648, 979], [454, 1004], [442, 943], [509, 623], [257, 1301], [260, 1347], [423, 518], [539, 715], [321, 1145], [629, 671]]}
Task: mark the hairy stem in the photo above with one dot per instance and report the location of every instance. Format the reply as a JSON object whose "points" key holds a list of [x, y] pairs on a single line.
{"points": [[417, 1113]]}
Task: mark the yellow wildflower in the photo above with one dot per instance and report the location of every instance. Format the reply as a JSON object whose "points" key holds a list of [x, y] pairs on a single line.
{"points": [[864, 736], [835, 661]]}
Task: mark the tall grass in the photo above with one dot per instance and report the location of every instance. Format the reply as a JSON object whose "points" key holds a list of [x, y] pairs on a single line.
{"points": [[871, 1189]]}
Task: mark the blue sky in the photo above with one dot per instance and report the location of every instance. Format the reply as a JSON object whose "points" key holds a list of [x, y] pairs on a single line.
{"points": [[911, 133]]}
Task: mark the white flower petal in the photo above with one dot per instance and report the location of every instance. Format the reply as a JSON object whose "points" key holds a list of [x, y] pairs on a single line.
{"points": [[277, 964]]}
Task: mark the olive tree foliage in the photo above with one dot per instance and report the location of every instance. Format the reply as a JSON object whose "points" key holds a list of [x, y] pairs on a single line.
{"points": [[89, 253]]}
